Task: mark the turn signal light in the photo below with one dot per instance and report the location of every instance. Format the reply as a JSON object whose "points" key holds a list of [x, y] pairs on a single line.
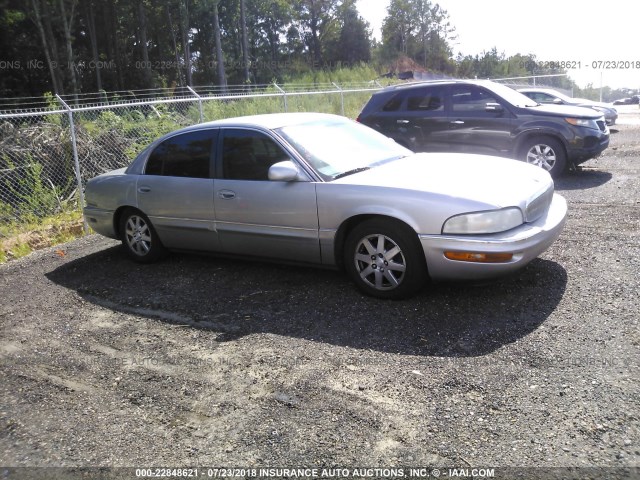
{"points": [[479, 257]]}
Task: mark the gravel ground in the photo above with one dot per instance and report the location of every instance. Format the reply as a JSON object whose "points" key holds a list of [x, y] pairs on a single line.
{"points": [[199, 361]]}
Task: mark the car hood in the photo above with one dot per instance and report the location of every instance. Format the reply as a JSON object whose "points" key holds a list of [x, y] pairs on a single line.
{"points": [[488, 182], [565, 111], [592, 103]]}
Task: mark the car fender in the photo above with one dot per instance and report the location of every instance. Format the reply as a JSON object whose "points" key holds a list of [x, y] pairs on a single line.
{"points": [[112, 190], [108, 193], [526, 131], [340, 207]]}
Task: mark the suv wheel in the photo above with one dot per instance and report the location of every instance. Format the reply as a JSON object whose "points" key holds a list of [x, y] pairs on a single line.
{"points": [[545, 152]]}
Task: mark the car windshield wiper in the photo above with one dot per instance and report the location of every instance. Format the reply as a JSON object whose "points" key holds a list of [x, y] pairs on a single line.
{"points": [[351, 172]]}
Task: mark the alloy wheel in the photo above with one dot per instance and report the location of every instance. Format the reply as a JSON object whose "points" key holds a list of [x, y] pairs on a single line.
{"points": [[543, 156], [138, 235], [380, 262]]}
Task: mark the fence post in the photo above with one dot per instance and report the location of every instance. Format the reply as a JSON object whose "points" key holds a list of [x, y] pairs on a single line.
{"points": [[199, 101], [341, 97], [76, 162], [284, 96]]}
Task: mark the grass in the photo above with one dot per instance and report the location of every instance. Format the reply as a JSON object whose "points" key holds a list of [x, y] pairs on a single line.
{"points": [[19, 240]]}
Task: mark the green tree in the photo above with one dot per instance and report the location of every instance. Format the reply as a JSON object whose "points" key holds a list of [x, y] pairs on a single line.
{"points": [[420, 30], [354, 43]]}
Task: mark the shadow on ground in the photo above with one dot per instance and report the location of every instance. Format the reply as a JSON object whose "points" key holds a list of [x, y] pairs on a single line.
{"points": [[233, 298], [581, 179]]}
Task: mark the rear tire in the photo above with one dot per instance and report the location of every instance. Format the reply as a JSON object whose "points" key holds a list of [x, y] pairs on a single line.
{"points": [[384, 259], [545, 152], [139, 238]]}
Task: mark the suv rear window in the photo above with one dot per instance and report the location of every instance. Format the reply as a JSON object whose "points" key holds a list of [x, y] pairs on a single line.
{"points": [[426, 100], [393, 104]]}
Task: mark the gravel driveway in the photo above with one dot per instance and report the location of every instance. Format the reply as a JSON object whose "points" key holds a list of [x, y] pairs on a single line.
{"points": [[200, 361]]}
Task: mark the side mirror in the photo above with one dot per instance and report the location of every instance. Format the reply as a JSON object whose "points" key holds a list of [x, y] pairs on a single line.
{"points": [[284, 172], [557, 101], [493, 107]]}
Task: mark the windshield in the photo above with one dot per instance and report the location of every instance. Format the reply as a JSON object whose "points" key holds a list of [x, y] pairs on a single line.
{"points": [[335, 148], [510, 95], [561, 96]]}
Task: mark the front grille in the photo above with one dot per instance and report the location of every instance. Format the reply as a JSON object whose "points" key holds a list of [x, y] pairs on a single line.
{"points": [[539, 205], [602, 125]]}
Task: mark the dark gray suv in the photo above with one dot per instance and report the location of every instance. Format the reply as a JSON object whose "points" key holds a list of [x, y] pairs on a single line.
{"points": [[486, 118]]}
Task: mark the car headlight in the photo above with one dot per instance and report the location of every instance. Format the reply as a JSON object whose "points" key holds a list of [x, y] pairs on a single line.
{"points": [[582, 122], [491, 221]]}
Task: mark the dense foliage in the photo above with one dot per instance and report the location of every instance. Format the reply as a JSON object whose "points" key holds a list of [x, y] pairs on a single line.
{"points": [[69, 46], [74, 46]]}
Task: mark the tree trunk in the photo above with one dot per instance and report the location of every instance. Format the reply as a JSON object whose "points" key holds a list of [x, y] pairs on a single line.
{"points": [[55, 58], [112, 41], [45, 46], [91, 24], [67, 23], [245, 42], [274, 40], [175, 45], [184, 16], [314, 24], [222, 79], [208, 55], [142, 24]]}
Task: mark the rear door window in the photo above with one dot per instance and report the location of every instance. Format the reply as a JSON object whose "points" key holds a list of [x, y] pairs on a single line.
{"points": [[183, 155], [429, 100]]}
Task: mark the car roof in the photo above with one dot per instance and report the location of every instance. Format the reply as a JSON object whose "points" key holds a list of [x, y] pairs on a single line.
{"points": [[269, 120], [451, 81], [534, 89]]}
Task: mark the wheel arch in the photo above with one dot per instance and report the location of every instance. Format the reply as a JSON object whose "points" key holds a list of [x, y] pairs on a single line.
{"points": [[352, 222], [117, 215], [541, 133]]}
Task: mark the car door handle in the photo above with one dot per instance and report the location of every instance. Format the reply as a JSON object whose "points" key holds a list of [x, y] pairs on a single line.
{"points": [[144, 189], [403, 122], [457, 122], [226, 194]]}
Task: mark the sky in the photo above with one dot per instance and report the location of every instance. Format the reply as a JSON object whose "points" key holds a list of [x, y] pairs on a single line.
{"points": [[599, 38]]}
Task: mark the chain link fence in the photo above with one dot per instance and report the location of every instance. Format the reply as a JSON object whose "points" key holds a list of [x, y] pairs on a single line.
{"points": [[37, 176], [50, 147]]}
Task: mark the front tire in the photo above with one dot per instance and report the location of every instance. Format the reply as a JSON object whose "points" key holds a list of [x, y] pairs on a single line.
{"points": [[545, 152], [384, 259], [139, 238]]}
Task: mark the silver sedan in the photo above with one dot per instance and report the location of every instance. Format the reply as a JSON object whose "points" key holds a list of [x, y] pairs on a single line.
{"points": [[324, 190], [554, 97]]}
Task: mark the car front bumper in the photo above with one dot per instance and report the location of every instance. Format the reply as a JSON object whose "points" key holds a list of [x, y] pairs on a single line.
{"points": [[525, 243], [592, 147]]}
